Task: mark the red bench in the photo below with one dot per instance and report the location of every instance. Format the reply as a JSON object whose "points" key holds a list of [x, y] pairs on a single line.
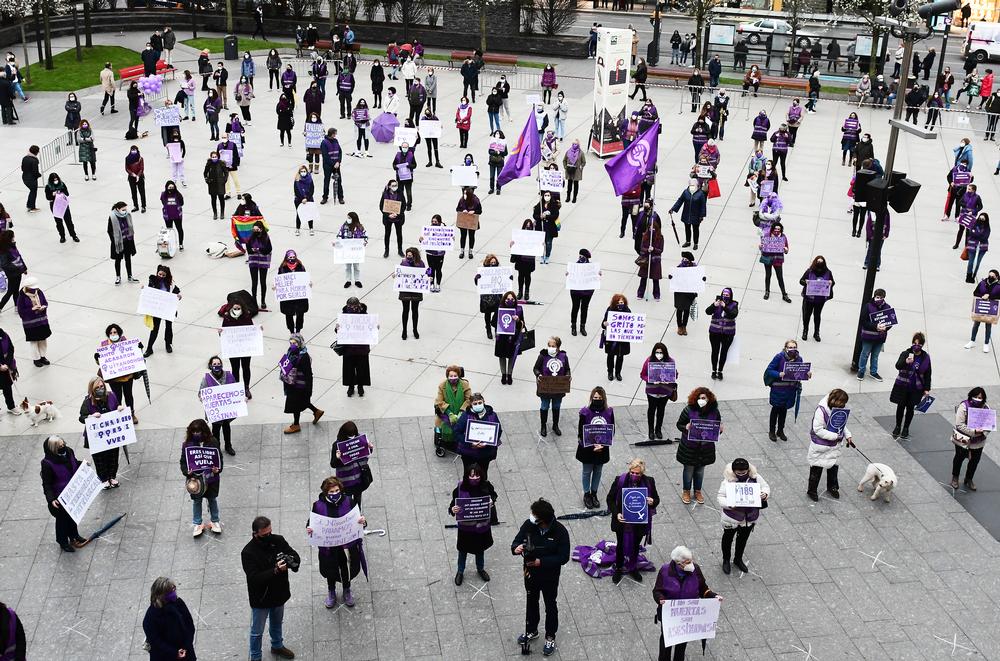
{"points": [[135, 72], [488, 58], [325, 46]]}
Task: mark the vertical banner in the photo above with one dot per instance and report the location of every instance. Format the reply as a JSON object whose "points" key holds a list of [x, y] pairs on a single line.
{"points": [[611, 75]]}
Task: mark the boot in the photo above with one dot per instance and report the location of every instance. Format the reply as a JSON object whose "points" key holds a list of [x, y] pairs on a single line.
{"points": [[652, 435], [583, 329], [229, 449], [555, 422], [544, 417], [572, 329], [489, 333], [813, 485], [698, 497], [739, 565], [331, 599], [686, 496], [348, 598], [905, 434], [293, 429]]}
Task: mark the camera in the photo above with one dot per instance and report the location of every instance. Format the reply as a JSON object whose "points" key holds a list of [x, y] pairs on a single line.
{"points": [[290, 561]]}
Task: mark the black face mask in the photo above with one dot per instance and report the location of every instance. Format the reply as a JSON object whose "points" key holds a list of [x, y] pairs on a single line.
{"points": [[597, 405]]}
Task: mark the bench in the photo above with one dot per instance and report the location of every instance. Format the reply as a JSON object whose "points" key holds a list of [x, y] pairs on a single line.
{"points": [[326, 47], [135, 72], [679, 76], [509, 61], [779, 83]]}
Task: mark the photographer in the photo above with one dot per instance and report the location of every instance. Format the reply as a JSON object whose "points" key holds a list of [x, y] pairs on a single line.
{"points": [[266, 561], [543, 542]]}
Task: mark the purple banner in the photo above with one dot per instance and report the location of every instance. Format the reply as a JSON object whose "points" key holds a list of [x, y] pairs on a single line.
{"points": [[797, 371], [473, 509], [285, 365], [505, 321], [772, 245], [200, 458], [598, 435], [354, 449], [838, 420], [820, 288], [661, 372], [885, 316], [925, 403], [985, 307], [961, 177], [704, 430], [766, 188], [635, 507], [966, 219]]}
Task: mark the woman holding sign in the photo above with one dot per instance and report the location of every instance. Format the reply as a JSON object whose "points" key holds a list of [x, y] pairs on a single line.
{"points": [[913, 384], [524, 264], [410, 300], [294, 310], [552, 363], [217, 376], [338, 563], [474, 495], [659, 372], [773, 249], [817, 288], [121, 386], [785, 385], [403, 164], [829, 428], [56, 190], [722, 329], [510, 334], [546, 213], [162, 280], [469, 204], [594, 433], [478, 433], [234, 314], [988, 289], [737, 521], [58, 467], [679, 579], [204, 466], [631, 531], [303, 189], [616, 351], [350, 461], [700, 425], [98, 401], [33, 309], [969, 438], [173, 209], [977, 242], [297, 376], [393, 208]]}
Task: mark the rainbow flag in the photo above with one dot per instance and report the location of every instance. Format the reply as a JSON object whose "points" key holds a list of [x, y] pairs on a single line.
{"points": [[242, 226]]}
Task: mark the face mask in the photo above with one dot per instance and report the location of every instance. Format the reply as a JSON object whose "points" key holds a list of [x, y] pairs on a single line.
{"points": [[334, 497], [916, 348], [702, 402], [634, 477], [171, 188], [792, 353], [553, 351], [134, 151], [100, 392], [392, 188], [453, 380], [170, 597], [597, 405], [217, 369], [55, 181], [292, 347], [196, 436], [475, 480], [409, 259], [61, 451], [215, 159], [742, 477], [303, 173], [977, 401], [533, 519], [114, 337], [658, 355], [292, 260], [234, 313], [689, 567], [478, 408]]}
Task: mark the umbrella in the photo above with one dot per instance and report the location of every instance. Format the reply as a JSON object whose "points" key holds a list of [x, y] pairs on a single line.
{"points": [[583, 515], [384, 127], [103, 529]]}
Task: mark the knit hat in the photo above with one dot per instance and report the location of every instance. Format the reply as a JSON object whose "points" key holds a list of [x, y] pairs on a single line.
{"points": [[741, 464]]}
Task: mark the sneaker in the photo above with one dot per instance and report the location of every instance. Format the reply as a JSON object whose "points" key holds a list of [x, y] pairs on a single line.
{"points": [[197, 530], [876, 377], [216, 528], [986, 348], [312, 232], [292, 429], [861, 375], [348, 599], [15, 411], [297, 232], [527, 638], [331, 599], [549, 648], [969, 345], [970, 485]]}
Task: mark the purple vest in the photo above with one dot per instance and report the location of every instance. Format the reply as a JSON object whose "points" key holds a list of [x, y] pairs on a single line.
{"points": [[851, 129], [62, 473], [911, 376], [748, 514], [326, 508], [872, 335], [794, 114], [480, 526], [780, 142], [257, 259], [813, 276], [607, 416], [172, 209], [687, 581], [720, 323], [822, 441]]}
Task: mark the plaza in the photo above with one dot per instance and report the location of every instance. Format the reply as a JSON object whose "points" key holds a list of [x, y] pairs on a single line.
{"points": [[847, 579]]}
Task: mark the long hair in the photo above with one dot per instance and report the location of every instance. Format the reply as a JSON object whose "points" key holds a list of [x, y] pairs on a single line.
{"points": [[659, 346], [347, 430], [692, 400], [161, 587], [198, 425]]}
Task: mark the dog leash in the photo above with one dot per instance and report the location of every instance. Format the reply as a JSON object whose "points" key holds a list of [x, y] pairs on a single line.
{"points": [[862, 453]]}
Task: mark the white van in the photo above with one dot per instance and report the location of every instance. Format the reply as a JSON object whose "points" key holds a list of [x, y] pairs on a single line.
{"points": [[983, 39]]}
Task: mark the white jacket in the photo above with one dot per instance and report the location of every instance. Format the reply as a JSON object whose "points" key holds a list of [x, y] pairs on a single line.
{"points": [[409, 69], [392, 104], [729, 476], [825, 456]]}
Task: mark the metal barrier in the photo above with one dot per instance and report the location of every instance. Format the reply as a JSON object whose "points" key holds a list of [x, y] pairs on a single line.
{"points": [[54, 151]]}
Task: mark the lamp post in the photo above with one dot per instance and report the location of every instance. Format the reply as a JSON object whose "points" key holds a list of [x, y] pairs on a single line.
{"points": [[653, 50]]}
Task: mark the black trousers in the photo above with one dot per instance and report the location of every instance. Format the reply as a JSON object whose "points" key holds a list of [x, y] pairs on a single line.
{"points": [[814, 310], [547, 589], [858, 219], [720, 349], [620, 547], [258, 275], [432, 145], [654, 413], [66, 530], [118, 263], [294, 321], [675, 653], [462, 234], [991, 125], [345, 105], [465, 91], [793, 132], [779, 159], [338, 184], [108, 97], [572, 190], [13, 286], [245, 110], [123, 391], [8, 393], [626, 214], [904, 414], [273, 79], [523, 285], [463, 138], [235, 364], [767, 277], [138, 186], [225, 426], [343, 569], [32, 186], [615, 363], [911, 114], [490, 319], [414, 115], [692, 232], [683, 315], [581, 304], [133, 122], [411, 307], [815, 472], [406, 193], [741, 534], [168, 335], [436, 263], [777, 419], [956, 464], [282, 134], [179, 224], [398, 224], [220, 197]]}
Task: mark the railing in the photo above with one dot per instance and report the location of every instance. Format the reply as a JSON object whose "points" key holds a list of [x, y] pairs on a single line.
{"points": [[54, 151]]}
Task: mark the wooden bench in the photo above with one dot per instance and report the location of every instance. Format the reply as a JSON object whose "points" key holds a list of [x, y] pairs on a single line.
{"points": [[509, 61], [135, 72], [679, 76], [326, 47]]}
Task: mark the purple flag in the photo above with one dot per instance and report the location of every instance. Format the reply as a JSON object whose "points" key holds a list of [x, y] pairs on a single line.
{"points": [[628, 168], [524, 155]]}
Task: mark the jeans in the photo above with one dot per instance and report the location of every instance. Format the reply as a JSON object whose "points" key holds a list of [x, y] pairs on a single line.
{"points": [[591, 477], [480, 561], [811, 103], [869, 348], [257, 618], [352, 272], [66, 530], [188, 107], [975, 259], [32, 186], [697, 473], [196, 509], [494, 173], [560, 127], [975, 331], [494, 121], [555, 402]]}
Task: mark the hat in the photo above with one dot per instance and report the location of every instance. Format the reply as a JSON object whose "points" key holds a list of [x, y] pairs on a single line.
{"points": [[741, 464], [31, 282], [584, 253]]}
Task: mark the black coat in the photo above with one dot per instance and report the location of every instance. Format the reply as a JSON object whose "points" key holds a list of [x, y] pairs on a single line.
{"points": [[266, 586], [169, 629], [552, 548], [614, 499], [471, 541]]}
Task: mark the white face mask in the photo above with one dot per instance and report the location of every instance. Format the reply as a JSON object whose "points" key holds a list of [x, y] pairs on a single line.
{"points": [[113, 337], [702, 402], [659, 355], [553, 351], [692, 188], [689, 567], [235, 313], [533, 519]]}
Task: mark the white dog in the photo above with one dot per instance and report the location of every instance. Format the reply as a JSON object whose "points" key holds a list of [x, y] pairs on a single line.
{"points": [[44, 411], [883, 479]]}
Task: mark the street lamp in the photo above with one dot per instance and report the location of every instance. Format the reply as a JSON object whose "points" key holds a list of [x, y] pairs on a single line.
{"points": [[653, 50]]}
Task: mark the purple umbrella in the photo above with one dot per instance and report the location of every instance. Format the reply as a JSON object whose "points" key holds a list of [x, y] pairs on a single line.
{"points": [[384, 127]]}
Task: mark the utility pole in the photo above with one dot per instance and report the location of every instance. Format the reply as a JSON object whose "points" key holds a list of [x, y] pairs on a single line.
{"points": [[653, 50], [944, 43]]}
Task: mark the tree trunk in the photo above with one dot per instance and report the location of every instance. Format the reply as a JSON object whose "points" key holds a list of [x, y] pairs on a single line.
{"points": [[332, 4], [229, 16], [482, 27], [24, 43], [86, 25], [48, 36], [876, 36]]}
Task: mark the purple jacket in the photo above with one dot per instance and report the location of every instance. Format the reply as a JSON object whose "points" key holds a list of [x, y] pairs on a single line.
{"points": [[851, 129], [870, 226], [761, 125], [173, 205], [978, 236], [288, 78], [407, 158], [32, 318], [984, 287], [259, 251], [724, 316], [549, 77]]}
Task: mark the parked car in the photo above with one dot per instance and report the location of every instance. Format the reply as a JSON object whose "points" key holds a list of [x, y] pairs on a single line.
{"points": [[983, 39], [759, 29]]}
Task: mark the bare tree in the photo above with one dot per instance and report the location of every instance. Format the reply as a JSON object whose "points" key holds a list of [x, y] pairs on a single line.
{"points": [[556, 16], [19, 10], [870, 11], [481, 7], [701, 11]]}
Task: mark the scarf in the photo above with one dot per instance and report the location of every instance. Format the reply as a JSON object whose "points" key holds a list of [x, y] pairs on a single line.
{"points": [[572, 154], [33, 297], [454, 396], [120, 229]]}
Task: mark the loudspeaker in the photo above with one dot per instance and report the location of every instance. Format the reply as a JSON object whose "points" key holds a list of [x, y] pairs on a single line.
{"points": [[861, 181], [902, 195], [900, 201]]}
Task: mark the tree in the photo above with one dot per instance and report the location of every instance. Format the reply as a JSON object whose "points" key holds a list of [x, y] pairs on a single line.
{"points": [[701, 11], [794, 9], [870, 11], [556, 16], [19, 10], [481, 7]]}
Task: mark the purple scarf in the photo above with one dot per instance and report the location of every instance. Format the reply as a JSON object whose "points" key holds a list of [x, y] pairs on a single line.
{"points": [[631, 529], [572, 154]]}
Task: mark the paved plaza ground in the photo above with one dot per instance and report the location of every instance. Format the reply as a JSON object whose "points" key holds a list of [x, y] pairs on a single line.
{"points": [[816, 584]]}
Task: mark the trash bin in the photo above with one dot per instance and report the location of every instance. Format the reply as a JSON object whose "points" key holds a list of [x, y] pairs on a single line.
{"points": [[230, 47]]}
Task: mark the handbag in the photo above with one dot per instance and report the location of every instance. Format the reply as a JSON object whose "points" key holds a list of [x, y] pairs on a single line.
{"points": [[195, 485], [366, 476], [527, 341], [338, 348], [965, 254], [713, 189]]}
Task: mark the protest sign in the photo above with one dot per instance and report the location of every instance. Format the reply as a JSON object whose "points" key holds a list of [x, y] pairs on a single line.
{"points": [[241, 341], [3, 283], [314, 134], [772, 245], [583, 277], [818, 288], [308, 212], [925, 403], [157, 303], [704, 172], [437, 237], [598, 434], [482, 431], [464, 175], [685, 620], [403, 172], [467, 220], [838, 420], [494, 279], [80, 492], [354, 449], [886, 316], [981, 419], [742, 494], [404, 134], [506, 325], [550, 180], [704, 430], [626, 327], [766, 188], [429, 128], [687, 279], [527, 242], [349, 251], [554, 385], [985, 310], [966, 219], [497, 144], [226, 156], [59, 205], [202, 459], [533, 100], [120, 358], [335, 531], [411, 279], [357, 329], [635, 507], [175, 152], [664, 372], [960, 177], [293, 286], [112, 430], [797, 371], [224, 402], [474, 509], [392, 206], [167, 116]]}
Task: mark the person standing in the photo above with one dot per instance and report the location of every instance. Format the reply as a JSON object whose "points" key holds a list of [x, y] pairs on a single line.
{"points": [[162, 280], [546, 217], [333, 157], [543, 544], [684, 301], [593, 456], [454, 396], [167, 624], [59, 464], [977, 242], [722, 329], [121, 232], [297, 377], [352, 229], [987, 289], [12, 640], [258, 248], [679, 579], [552, 361], [285, 109], [507, 346], [173, 210], [774, 260], [463, 122], [55, 188], [574, 160], [580, 299], [651, 250], [693, 204], [639, 78], [121, 386], [873, 335], [476, 452], [524, 265], [812, 304], [474, 535], [30, 174], [199, 435], [217, 376], [404, 163], [470, 79], [135, 169], [33, 309], [233, 314], [303, 190], [913, 384], [969, 441], [410, 300], [616, 351], [631, 536], [221, 78], [694, 455], [8, 375], [266, 560], [97, 401], [784, 393], [560, 113], [738, 522], [107, 77], [390, 220], [355, 476], [825, 448], [294, 310], [337, 564]]}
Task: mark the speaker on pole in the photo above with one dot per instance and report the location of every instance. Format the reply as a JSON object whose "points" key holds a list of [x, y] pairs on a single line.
{"points": [[902, 195]]}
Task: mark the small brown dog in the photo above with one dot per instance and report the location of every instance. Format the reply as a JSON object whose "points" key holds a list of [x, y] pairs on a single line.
{"points": [[44, 411]]}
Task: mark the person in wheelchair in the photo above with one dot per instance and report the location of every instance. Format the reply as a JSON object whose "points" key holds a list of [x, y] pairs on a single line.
{"points": [[454, 396]]}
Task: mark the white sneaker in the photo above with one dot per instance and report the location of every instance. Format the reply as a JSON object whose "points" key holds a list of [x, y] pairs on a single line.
{"points": [[196, 532], [312, 232], [297, 232], [15, 411], [216, 528], [969, 345], [986, 348]]}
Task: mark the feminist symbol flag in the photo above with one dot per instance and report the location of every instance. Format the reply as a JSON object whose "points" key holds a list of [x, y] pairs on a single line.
{"points": [[525, 155], [628, 168]]}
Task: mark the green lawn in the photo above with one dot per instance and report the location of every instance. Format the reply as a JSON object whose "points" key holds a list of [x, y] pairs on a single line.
{"points": [[69, 74], [214, 45]]}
